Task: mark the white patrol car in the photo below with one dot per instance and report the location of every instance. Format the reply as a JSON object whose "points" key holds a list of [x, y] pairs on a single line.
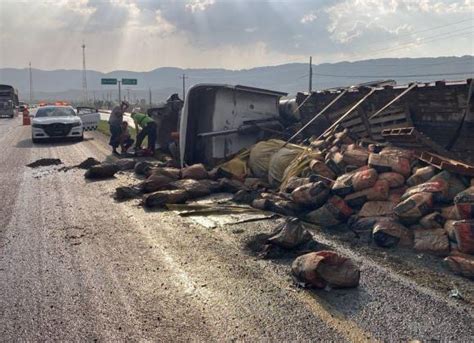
{"points": [[61, 122]]}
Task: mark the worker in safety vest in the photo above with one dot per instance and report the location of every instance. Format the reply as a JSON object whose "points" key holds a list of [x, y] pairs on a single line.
{"points": [[146, 127]]}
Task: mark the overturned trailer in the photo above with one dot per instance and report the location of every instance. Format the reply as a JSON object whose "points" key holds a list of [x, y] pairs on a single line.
{"points": [[219, 120], [436, 116]]}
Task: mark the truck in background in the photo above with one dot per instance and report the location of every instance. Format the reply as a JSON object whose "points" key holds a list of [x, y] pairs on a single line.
{"points": [[8, 101]]}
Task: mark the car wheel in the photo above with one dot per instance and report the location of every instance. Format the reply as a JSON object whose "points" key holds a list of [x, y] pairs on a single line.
{"points": [[34, 140]]}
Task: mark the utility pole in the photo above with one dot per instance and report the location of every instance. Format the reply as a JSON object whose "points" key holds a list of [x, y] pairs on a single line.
{"points": [[120, 91], [31, 85], [184, 77], [128, 94], [149, 95], [310, 74], [84, 77]]}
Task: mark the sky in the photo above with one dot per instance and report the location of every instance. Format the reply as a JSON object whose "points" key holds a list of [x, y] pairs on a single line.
{"points": [[142, 35]]}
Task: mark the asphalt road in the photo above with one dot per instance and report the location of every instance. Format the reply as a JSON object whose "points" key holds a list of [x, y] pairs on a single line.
{"points": [[77, 266]]}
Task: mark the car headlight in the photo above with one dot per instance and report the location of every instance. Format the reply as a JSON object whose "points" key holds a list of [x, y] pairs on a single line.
{"points": [[37, 126], [76, 124]]}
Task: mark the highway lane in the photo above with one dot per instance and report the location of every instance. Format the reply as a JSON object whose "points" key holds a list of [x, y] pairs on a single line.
{"points": [[76, 265]]}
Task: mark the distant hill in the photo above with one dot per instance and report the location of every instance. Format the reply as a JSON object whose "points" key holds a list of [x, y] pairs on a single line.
{"points": [[290, 78]]}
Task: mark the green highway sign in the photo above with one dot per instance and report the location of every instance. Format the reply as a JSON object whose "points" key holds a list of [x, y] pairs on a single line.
{"points": [[108, 81], [129, 81]]}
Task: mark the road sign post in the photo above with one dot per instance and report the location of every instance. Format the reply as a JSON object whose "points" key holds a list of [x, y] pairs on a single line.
{"points": [[108, 81], [131, 82]]}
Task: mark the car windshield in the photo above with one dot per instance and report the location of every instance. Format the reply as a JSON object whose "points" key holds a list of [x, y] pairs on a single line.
{"points": [[55, 112]]}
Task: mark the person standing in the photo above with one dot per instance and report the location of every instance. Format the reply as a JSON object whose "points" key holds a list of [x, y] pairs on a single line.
{"points": [[147, 128], [115, 125]]}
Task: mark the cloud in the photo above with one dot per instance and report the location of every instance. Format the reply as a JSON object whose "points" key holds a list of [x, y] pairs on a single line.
{"points": [[199, 5], [308, 18], [145, 34]]}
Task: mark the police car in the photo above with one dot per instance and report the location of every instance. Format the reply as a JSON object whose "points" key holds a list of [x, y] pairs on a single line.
{"points": [[62, 122]]}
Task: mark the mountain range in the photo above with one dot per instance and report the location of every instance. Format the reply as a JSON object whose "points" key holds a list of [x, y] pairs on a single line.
{"points": [[293, 77]]}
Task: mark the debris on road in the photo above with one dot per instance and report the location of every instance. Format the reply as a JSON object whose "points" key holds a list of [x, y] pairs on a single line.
{"points": [[324, 269], [88, 163], [45, 162], [102, 171]]}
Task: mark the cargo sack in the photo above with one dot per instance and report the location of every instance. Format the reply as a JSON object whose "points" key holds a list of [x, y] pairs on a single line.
{"points": [[454, 185], [421, 175], [161, 198], [379, 191], [155, 183], [101, 171], [355, 156], [364, 179], [395, 194], [358, 224], [194, 188], [333, 212], [295, 182], [411, 210], [126, 192], [255, 183], [432, 241], [343, 185], [389, 233], [377, 208], [125, 163], [325, 269], [354, 181], [231, 185], [394, 180], [335, 161], [290, 234], [390, 163], [284, 207], [396, 151], [433, 221], [245, 197], [450, 212], [311, 195], [173, 173], [437, 188], [320, 168], [237, 167], [464, 202], [464, 233], [449, 228], [142, 167], [279, 162], [195, 172], [461, 265], [260, 155]]}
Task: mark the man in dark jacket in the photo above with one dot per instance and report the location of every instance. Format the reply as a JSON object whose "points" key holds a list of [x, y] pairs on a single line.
{"points": [[115, 125]]}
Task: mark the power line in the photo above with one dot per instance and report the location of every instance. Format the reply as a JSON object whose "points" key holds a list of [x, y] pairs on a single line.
{"points": [[428, 29], [423, 40]]}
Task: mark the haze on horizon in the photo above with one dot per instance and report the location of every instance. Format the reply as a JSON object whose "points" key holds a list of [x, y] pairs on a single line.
{"points": [[142, 35]]}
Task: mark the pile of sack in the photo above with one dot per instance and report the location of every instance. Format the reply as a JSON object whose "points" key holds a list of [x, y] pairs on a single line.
{"points": [[377, 188], [168, 185]]}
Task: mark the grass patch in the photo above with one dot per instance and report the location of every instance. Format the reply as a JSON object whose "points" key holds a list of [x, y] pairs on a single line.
{"points": [[103, 127]]}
